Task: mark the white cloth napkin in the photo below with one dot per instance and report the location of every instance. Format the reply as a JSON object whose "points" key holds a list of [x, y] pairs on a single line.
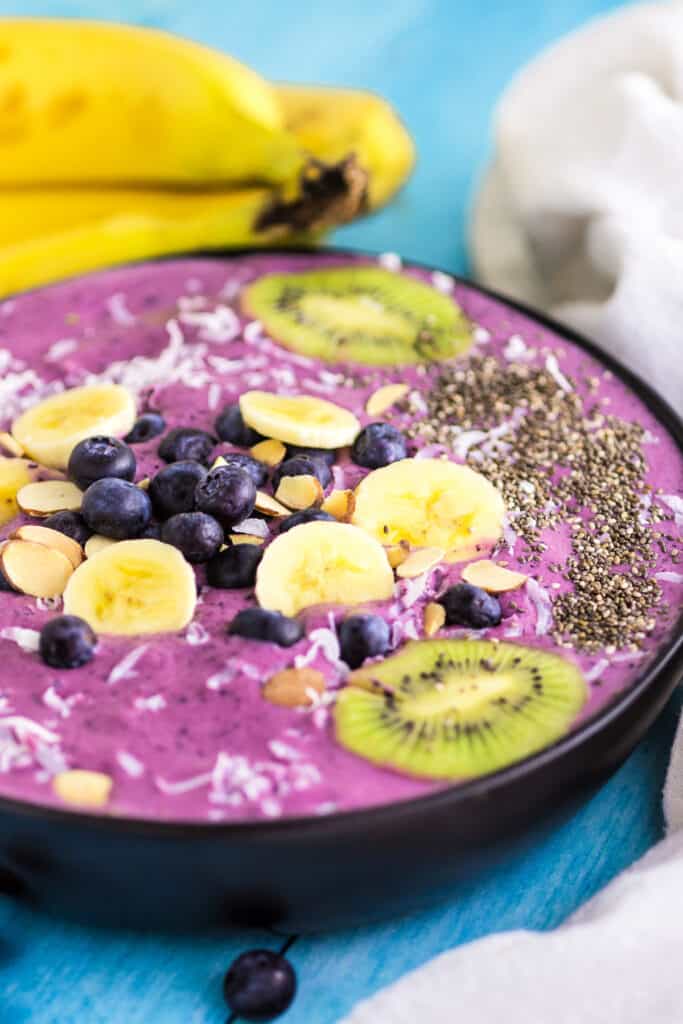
{"points": [[581, 211]]}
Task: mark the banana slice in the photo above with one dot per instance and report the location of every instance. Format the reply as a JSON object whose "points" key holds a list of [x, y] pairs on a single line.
{"points": [[322, 563], [133, 587], [429, 503], [14, 474], [301, 419], [49, 431]]}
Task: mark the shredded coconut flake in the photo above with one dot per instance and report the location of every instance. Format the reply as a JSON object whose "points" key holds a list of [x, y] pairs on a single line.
{"points": [[48, 604], [669, 577], [220, 679], [323, 641], [553, 368], [481, 335], [154, 703], [27, 639], [118, 311], [126, 668], [516, 349], [675, 503], [542, 604], [442, 282], [390, 261], [59, 349], [130, 764], [196, 634], [61, 705], [597, 671], [219, 326]]}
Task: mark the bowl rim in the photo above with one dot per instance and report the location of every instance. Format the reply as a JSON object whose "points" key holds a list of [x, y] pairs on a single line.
{"points": [[669, 657]]}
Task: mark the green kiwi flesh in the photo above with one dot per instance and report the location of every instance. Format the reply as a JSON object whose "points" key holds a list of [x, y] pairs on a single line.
{"points": [[359, 314], [457, 709]]}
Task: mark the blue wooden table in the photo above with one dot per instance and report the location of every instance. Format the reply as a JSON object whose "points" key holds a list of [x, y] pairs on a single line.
{"points": [[442, 64]]}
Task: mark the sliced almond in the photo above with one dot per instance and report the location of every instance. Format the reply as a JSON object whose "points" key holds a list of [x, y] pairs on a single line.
{"points": [[97, 543], [294, 687], [419, 561], [48, 496], [245, 538], [82, 788], [270, 452], [269, 506], [10, 445], [340, 504], [144, 483], [52, 539], [385, 397], [299, 492], [218, 461], [397, 553], [494, 578], [464, 554], [434, 618], [35, 569]]}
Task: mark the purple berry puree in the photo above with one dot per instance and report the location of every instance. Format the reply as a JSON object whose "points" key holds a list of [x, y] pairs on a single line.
{"points": [[178, 720]]}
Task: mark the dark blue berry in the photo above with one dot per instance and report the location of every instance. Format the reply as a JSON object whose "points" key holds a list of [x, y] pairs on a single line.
{"points": [[151, 532], [327, 455], [361, 637], [67, 642], [303, 465], [116, 508], [172, 490], [258, 471], [187, 443], [231, 427], [307, 515], [259, 985], [235, 567], [198, 536], [98, 457], [71, 524], [227, 493], [147, 426], [271, 627], [5, 585], [378, 445], [466, 605]]}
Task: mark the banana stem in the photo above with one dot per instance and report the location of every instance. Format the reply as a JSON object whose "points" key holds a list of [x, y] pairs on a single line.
{"points": [[329, 194]]}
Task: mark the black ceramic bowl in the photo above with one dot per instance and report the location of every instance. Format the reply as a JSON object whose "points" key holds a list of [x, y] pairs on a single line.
{"points": [[314, 873]]}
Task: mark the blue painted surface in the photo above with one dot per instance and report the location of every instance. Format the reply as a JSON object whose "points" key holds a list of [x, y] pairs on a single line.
{"points": [[442, 64]]}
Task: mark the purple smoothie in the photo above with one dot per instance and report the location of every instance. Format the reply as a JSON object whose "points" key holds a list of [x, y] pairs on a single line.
{"points": [[178, 721]]}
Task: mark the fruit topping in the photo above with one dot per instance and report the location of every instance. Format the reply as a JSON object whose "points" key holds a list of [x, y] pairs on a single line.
{"points": [[304, 465], [135, 587], [196, 535], [418, 561], [269, 452], [397, 553], [171, 491], [71, 524], [494, 578], [47, 496], [322, 563], [10, 445], [294, 687], [116, 508], [308, 515], [145, 428], [361, 637], [94, 458], [362, 313], [386, 396], [326, 454], [449, 709], [187, 443], [14, 475], [268, 506], [97, 543], [434, 618], [340, 505], [245, 538], [83, 788], [259, 985], [379, 444], [227, 493], [67, 642], [258, 471], [51, 539], [299, 492], [266, 626], [466, 605], [429, 503], [230, 427], [235, 567], [49, 431], [300, 419], [35, 569]]}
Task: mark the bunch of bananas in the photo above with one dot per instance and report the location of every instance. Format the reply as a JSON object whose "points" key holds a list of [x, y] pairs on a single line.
{"points": [[120, 143]]}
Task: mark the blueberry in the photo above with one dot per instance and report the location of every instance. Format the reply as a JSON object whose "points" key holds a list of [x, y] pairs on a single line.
{"points": [[258, 471], [172, 490], [231, 427], [227, 493], [361, 637], [327, 455], [259, 985], [198, 536], [67, 642], [303, 465], [235, 567], [151, 532], [71, 524], [271, 627], [186, 443], [98, 457], [116, 508], [147, 426], [378, 445], [307, 515], [466, 605]]}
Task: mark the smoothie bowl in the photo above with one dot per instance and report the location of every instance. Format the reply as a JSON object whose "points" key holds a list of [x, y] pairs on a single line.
{"points": [[314, 566]]}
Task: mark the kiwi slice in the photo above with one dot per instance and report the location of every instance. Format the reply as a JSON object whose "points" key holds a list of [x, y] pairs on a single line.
{"points": [[362, 314], [455, 709]]}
